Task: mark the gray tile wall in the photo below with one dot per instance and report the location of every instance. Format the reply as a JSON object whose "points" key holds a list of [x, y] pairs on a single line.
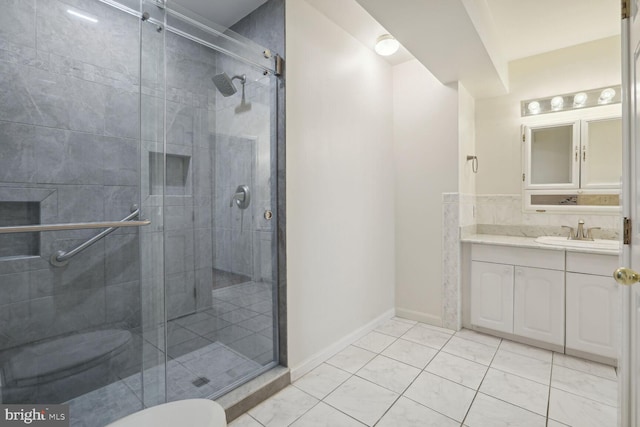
{"points": [[247, 250], [69, 141], [188, 207], [17, 214], [266, 26]]}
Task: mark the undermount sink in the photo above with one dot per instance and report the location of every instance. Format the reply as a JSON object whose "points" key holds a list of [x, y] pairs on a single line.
{"points": [[586, 244]]}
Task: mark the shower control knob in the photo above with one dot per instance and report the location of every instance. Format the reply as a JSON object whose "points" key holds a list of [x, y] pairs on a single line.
{"points": [[268, 215]]}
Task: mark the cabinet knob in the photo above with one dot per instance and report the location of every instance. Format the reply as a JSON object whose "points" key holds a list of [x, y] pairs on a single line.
{"points": [[626, 276]]}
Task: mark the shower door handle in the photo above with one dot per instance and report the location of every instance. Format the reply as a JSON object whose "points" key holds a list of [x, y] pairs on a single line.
{"points": [[242, 197], [72, 226]]}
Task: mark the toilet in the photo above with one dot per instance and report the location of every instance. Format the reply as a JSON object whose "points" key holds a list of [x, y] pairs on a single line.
{"points": [[182, 413]]}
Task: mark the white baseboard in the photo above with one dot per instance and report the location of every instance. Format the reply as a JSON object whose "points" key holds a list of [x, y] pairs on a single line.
{"points": [[318, 358], [419, 316]]}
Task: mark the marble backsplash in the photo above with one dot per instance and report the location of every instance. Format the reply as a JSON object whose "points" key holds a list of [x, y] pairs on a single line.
{"points": [[501, 214]]}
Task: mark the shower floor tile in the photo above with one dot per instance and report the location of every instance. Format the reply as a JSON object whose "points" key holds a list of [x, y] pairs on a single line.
{"points": [[104, 405], [218, 364], [208, 351]]}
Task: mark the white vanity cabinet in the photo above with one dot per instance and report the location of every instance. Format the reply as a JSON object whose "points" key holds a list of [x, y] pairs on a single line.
{"points": [[563, 298], [492, 296], [592, 320], [518, 291], [539, 304]]}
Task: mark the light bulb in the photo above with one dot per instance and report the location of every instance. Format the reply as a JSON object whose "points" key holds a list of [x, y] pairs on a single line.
{"points": [[579, 99], [557, 102], [386, 45], [606, 96], [534, 107]]}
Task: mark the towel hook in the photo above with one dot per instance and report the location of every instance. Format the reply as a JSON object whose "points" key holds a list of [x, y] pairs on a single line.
{"points": [[474, 164]]}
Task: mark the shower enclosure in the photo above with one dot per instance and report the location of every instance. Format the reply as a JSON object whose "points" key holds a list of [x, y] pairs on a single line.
{"points": [[138, 205]]}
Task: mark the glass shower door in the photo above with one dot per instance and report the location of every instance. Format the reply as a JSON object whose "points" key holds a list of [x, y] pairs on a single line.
{"points": [[219, 222], [158, 131], [74, 313]]}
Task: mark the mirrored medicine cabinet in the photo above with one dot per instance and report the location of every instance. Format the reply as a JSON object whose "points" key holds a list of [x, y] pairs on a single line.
{"points": [[572, 160]]}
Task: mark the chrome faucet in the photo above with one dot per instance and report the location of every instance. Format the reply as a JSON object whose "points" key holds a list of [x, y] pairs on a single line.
{"points": [[580, 230], [579, 233]]}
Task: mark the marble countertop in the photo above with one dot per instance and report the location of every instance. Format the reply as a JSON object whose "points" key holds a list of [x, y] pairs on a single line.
{"points": [[528, 242]]}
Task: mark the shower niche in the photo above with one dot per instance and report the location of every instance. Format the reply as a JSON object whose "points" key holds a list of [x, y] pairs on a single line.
{"points": [[22, 244], [178, 174]]}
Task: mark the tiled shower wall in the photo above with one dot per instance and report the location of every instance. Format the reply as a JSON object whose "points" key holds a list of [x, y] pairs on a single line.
{"points": [[265, 26], [69, 141], [244, 153], [190, 122]]}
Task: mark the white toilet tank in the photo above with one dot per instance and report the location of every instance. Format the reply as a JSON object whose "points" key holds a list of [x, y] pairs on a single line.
{"points": [[182, 413]]}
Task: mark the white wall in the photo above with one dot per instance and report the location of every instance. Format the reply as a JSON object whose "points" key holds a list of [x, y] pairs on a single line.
{"points": [[426, 158], [467, 140], [340, 184], [586, 66]]}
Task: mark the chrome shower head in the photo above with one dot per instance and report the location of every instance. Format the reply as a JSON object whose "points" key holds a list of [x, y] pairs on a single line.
{"points": [[225, 84]]}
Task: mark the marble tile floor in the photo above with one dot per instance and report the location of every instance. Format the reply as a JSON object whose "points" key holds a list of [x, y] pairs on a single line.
{"points": [[411, 374], [224, 343]]}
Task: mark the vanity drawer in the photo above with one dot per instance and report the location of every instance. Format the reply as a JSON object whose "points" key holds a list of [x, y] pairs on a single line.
{"points": [[598, 264], [526, 257]]}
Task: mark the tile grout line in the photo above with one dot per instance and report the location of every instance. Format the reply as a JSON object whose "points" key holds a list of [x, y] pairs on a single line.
{"points": [[584, 397], [480, 385], [424, 371], [523, 355], [477, 391], [411, 383], [549, 393], [351, 375], [588, 373]]}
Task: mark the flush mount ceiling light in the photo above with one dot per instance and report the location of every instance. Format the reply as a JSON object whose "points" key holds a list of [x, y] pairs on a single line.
{"points": [[580, 99], [386, 45], [572, 101]]}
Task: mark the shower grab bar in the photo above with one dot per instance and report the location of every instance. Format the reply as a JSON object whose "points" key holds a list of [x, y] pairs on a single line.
{"points": [[72, 226], [61, 258]]}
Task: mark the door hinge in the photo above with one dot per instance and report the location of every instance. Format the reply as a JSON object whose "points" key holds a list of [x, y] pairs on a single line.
{"points": [[523, 138], [624, 8], [522, 177], [626, 239]]}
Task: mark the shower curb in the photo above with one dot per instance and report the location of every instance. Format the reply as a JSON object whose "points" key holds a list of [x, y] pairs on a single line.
{"points": [[256, 391]]}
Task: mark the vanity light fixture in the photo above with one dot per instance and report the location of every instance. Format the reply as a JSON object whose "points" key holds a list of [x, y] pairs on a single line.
{"points": [[386, 45], [571, 101], [82, 16], [580, 99], [606, 96]]}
